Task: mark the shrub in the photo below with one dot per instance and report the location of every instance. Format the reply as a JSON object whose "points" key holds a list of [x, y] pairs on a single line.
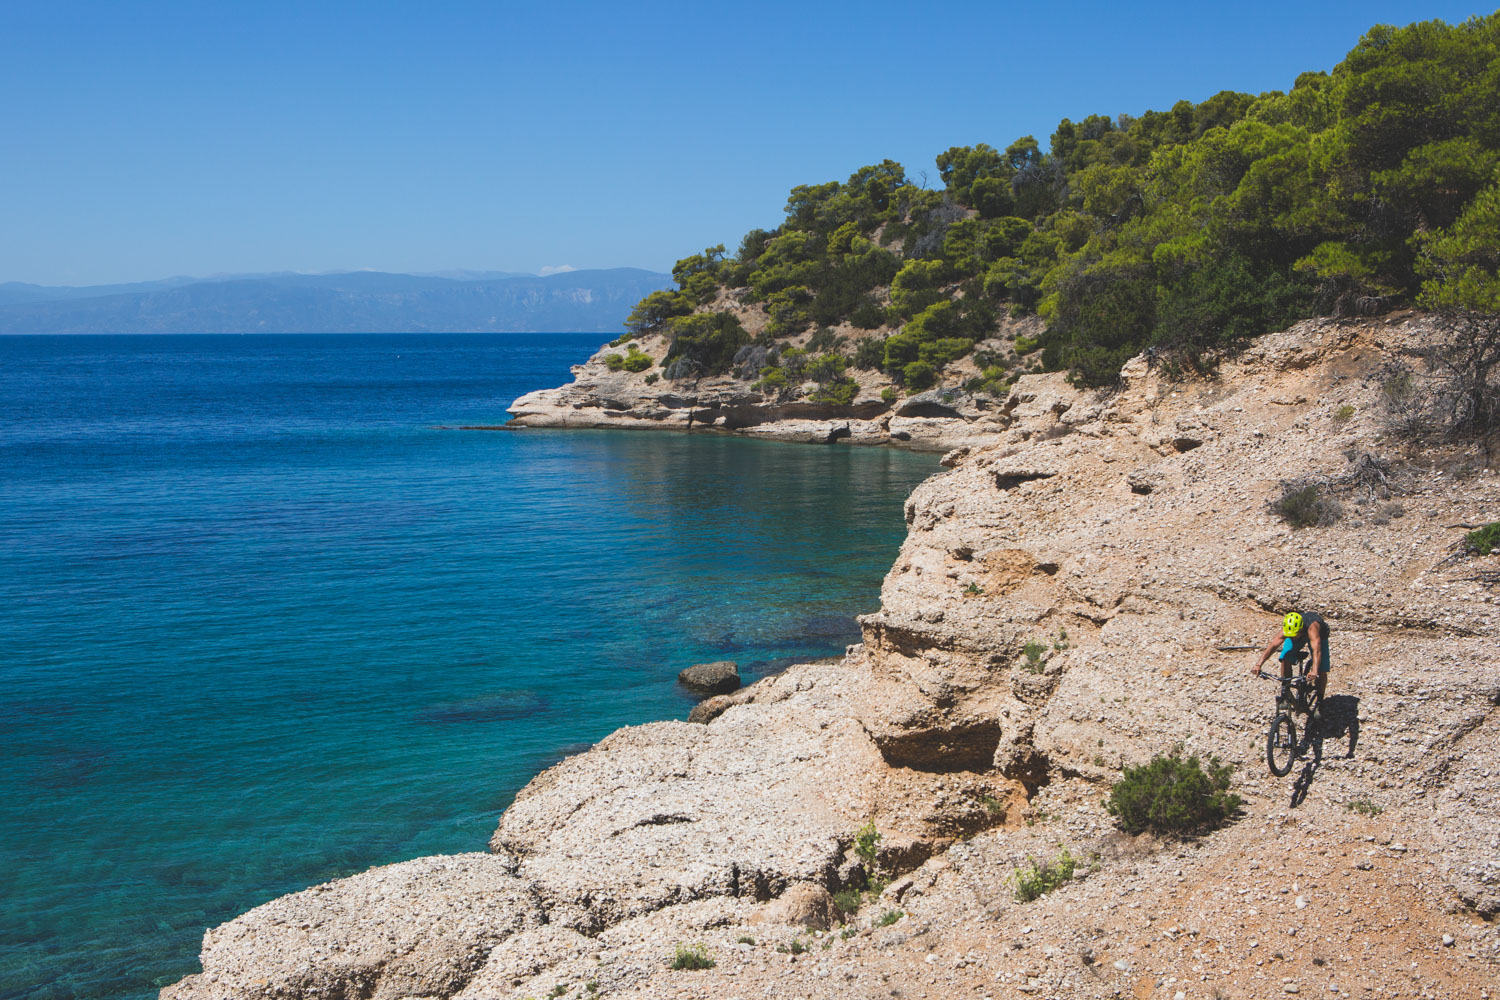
{"points": [[745, 939], [889, 394], [919, 375], [825, 340], [1343, 414], [692, 956], [1364, 807], [614, 362], [1037, 879], [868, 315], [1033, 652], [623, 338], [1173, 795], [1025, 345], [867, 846], [839, 392], [652, 378], [704, 344], [869, 353], [1484, 540], [1302, 505], [848, 900], [889, 917], [635, 360]]}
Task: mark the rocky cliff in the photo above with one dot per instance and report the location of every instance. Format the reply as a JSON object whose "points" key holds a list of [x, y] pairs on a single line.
{"points": [[1056, 613], [606, 394]]}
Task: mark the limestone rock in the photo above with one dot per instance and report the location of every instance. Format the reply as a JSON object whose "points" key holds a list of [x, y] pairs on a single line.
{"points": [[718, 677], [414, 929], [802, 905]]}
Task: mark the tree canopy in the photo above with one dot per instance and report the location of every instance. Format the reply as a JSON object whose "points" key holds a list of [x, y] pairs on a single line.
{"points": [[1190, 229]]}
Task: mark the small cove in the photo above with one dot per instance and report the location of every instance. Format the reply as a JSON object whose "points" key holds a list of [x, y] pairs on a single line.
{"points": [[270, 624]]}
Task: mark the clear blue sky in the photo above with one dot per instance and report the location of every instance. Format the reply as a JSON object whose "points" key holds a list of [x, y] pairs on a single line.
{"points": [[147, 139]]}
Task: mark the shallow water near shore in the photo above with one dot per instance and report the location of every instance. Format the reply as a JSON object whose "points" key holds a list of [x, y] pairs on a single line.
{"points": [[268, 622]]}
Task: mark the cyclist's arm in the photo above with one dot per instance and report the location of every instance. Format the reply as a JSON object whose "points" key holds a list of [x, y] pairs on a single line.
{"points": [[1264, 656], [1315, 644]]}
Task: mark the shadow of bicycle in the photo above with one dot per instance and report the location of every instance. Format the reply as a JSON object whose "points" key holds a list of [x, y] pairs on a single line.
{"points": [[1340, 721]]}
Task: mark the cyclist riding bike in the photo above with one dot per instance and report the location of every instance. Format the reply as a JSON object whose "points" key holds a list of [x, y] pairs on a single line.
{"points": [[1299, 632]]}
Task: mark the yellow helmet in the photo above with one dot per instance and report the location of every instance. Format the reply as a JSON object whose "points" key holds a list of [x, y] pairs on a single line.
{"points": [[1291, 625]]}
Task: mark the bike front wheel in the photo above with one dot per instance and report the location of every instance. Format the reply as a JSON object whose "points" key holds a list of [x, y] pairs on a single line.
{"points": [[1281, 745]]}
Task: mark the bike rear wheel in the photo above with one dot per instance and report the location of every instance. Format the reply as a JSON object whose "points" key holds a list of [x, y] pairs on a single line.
{"points": [[1281, 745]]}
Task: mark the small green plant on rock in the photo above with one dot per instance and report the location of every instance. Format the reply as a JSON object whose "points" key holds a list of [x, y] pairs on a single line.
{"points": [[1062, 640], [992, 805], [889, 917], [1364, 807], [889, 394], [1037, 879], [973, 589], [867, 846], [1484, 540], [1343, 414], [1033, 652], [795, 948], [1304, 506], [867, 849], [1173, 795], [692, 957], [848, 900], [745, 939], [558, 990]]}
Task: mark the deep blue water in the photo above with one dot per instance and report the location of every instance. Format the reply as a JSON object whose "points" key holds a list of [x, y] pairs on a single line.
{"points": [[266, 622]]}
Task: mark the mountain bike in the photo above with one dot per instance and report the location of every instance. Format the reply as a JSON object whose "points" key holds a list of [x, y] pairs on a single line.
{"points": [[1298, 694]]}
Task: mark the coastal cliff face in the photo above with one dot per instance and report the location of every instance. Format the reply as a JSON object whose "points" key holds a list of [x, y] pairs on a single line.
{"points": [[1123, 538]]}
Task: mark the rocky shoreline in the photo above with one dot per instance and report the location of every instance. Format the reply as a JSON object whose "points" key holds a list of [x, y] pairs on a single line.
{"points": [[938, 419], [1055, 614]]}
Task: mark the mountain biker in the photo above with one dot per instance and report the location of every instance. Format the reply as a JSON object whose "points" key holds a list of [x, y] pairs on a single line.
{"points": [[1298, 632]]}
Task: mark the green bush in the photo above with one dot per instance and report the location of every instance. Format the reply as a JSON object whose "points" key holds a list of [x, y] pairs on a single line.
{"points": [[1025, 345], [848, 900], [867, 846], [889, 394], [826, 340], [868, 315], [889, 917], [1343, 414], [1037, 879], [1173, 795], [839, 392], [1484, 540], [1304, 506], [636, 360], [692, 957], [1033, 652], [918, 375], [704, 344]]}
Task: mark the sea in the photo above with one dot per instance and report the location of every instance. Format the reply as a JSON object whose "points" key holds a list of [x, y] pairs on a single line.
{"points": [[269, 617]]}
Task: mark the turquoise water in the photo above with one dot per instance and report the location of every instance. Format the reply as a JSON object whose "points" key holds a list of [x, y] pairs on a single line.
{"points": [[267, 622]]}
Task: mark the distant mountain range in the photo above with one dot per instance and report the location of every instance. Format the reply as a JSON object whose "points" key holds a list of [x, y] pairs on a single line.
{"points": [[352, 302]]}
